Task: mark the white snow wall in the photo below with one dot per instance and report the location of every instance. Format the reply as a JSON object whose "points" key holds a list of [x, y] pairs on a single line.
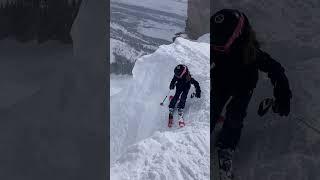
{"points": [[53, 126], [274, 147]]}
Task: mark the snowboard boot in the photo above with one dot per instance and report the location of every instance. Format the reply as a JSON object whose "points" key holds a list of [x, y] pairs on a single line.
{"points": [[225, 162], [170, 121], [181, 120]]}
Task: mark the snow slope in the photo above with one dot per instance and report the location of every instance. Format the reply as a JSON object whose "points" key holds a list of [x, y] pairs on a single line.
{"points": [[172, 6], [142, 147], [120, 48], [140, 27], [118, 83]]}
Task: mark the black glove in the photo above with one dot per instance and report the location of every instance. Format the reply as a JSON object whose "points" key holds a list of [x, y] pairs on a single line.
{"points": [[282, 95], [198, 94], [171, 86]]}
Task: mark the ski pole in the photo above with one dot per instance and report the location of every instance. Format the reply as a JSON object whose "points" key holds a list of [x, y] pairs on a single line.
{"points": [[161, 104]]}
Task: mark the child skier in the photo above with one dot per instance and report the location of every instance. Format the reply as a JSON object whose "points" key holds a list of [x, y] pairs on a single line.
{"points": [[237, 57], [182, 80]]}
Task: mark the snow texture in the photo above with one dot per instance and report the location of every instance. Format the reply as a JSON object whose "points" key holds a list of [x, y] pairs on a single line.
{"points": [[122, 49], [273, 147], [142, 146]]}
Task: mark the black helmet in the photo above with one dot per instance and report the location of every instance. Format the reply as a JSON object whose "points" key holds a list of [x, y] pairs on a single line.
{"points": [[227, 25], [180, 70]]}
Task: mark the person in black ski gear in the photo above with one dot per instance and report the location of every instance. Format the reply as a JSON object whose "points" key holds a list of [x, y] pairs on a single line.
{"points": [[182, 80], [236, 58]]}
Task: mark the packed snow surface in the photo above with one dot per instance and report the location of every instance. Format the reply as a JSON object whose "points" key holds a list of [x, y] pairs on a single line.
{"points": [[142, 146]]}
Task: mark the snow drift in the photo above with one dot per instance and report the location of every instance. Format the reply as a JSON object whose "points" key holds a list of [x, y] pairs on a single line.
{"points": [[142, 147]]}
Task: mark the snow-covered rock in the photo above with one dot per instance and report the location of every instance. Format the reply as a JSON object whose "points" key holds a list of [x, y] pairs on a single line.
{"points": [[142, 146]]}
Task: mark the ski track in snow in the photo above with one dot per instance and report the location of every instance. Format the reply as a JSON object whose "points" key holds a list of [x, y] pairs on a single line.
{"points": [[144, 147]]}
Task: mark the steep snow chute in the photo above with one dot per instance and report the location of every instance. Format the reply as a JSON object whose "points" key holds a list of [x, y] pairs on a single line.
{"points": [[160, 153]]}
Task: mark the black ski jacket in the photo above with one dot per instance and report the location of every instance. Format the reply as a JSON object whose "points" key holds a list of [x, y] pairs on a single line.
{"points": [[184, 84], [230, 74]]}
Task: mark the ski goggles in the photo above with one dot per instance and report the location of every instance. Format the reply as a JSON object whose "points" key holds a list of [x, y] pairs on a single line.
{"points": [[236, 33]]}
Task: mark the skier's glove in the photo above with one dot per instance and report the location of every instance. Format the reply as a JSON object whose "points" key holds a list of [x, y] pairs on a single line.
{"points": [[198, 94], [282, 95]]}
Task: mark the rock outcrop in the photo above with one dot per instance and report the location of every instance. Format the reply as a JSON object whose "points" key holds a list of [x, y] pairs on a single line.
{"points": [[198, 22]]}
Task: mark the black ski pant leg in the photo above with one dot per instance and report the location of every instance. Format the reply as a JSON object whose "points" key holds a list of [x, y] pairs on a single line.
{"points": [[175, 98], [183, 98], [217, 102], [236, 111]]}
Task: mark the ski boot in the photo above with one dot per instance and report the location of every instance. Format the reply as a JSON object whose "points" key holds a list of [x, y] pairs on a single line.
{"points": [[170, 121], [225, 162], [181, 120]]}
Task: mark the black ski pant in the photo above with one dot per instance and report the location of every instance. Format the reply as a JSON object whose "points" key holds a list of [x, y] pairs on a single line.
{"points": [[236, 111], [183, 92]]}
